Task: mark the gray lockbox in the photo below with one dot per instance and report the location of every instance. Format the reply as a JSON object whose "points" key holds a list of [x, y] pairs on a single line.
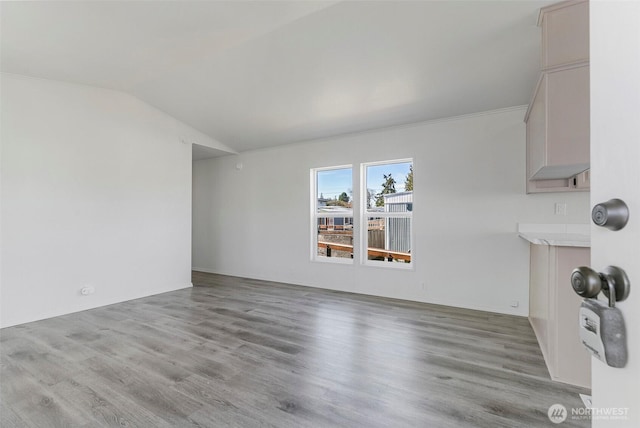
{"points": [[603, 333], [602, 329]]}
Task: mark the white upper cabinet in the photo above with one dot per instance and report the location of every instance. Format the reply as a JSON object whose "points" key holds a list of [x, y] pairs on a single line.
{"points": [[565, 33], [558, 116], [558, 125]]}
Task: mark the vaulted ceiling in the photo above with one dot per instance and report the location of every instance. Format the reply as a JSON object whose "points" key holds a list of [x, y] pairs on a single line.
{"points": [[254, 74]]}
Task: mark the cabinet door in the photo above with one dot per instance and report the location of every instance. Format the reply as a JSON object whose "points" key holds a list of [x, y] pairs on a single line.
{"points": [[572, 361], [568, 117], [537, 130], [539, 296], [565, 34]]}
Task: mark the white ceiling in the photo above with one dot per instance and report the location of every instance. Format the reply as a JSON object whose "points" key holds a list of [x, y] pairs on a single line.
{"points": [[253, 74]]}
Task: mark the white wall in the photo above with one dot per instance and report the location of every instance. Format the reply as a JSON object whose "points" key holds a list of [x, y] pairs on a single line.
{"points": [[469, 196], [96, 190]]}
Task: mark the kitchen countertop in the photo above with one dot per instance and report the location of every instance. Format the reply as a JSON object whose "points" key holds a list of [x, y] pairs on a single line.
{"points": [[559, 235]]}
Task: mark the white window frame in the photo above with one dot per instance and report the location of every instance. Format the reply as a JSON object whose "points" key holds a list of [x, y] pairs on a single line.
{"points": [[315, 216], [364, 220]]}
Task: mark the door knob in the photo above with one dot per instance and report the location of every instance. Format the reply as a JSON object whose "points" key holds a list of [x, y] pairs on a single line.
{"points": [[612, 214], [601, 327], [612, 281]]}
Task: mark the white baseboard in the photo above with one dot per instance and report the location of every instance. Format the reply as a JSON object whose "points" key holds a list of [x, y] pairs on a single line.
{"points": [[462, 305], [56, 313]]}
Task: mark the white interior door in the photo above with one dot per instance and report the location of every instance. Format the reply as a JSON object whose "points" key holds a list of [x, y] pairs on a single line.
{"points": [[615, 173]]}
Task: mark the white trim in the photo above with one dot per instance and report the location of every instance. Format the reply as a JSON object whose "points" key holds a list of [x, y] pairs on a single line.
{"points": [[313, 202], [463, 304], [322, 214], [393, 127], [389, 162], [109, 302], [206, 270], [389, 265], [389, 214], [333, 260], [331, 168]]}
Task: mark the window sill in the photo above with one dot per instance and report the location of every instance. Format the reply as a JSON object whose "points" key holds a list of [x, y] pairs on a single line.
{"points": [[333, 260], [389, 265]]}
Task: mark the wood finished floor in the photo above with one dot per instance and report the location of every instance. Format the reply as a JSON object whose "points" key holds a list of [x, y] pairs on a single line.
{"points": [[248, 353]]}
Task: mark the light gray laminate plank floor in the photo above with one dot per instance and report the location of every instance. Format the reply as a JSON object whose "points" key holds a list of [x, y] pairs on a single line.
{"points": [[249, 353]]}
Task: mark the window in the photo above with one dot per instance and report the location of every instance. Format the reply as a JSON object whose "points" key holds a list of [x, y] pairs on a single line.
{"points": [[332, 214], [387, 209], [385, 226]]}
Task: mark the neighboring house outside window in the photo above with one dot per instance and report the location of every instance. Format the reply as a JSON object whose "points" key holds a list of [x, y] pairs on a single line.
{"points": [[388, 213], [332, 212], [386, 208]]}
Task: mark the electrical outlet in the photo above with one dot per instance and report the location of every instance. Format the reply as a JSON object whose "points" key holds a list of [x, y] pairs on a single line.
{"points": [[89, 289], [586, 399], [561, 209]]}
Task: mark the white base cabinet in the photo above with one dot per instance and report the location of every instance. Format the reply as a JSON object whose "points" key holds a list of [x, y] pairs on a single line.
{"points": [[553, 312]]}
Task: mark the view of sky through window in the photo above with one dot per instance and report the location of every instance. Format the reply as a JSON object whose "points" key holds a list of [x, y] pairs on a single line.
{"points": [[375, 175], [333, 182]]}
